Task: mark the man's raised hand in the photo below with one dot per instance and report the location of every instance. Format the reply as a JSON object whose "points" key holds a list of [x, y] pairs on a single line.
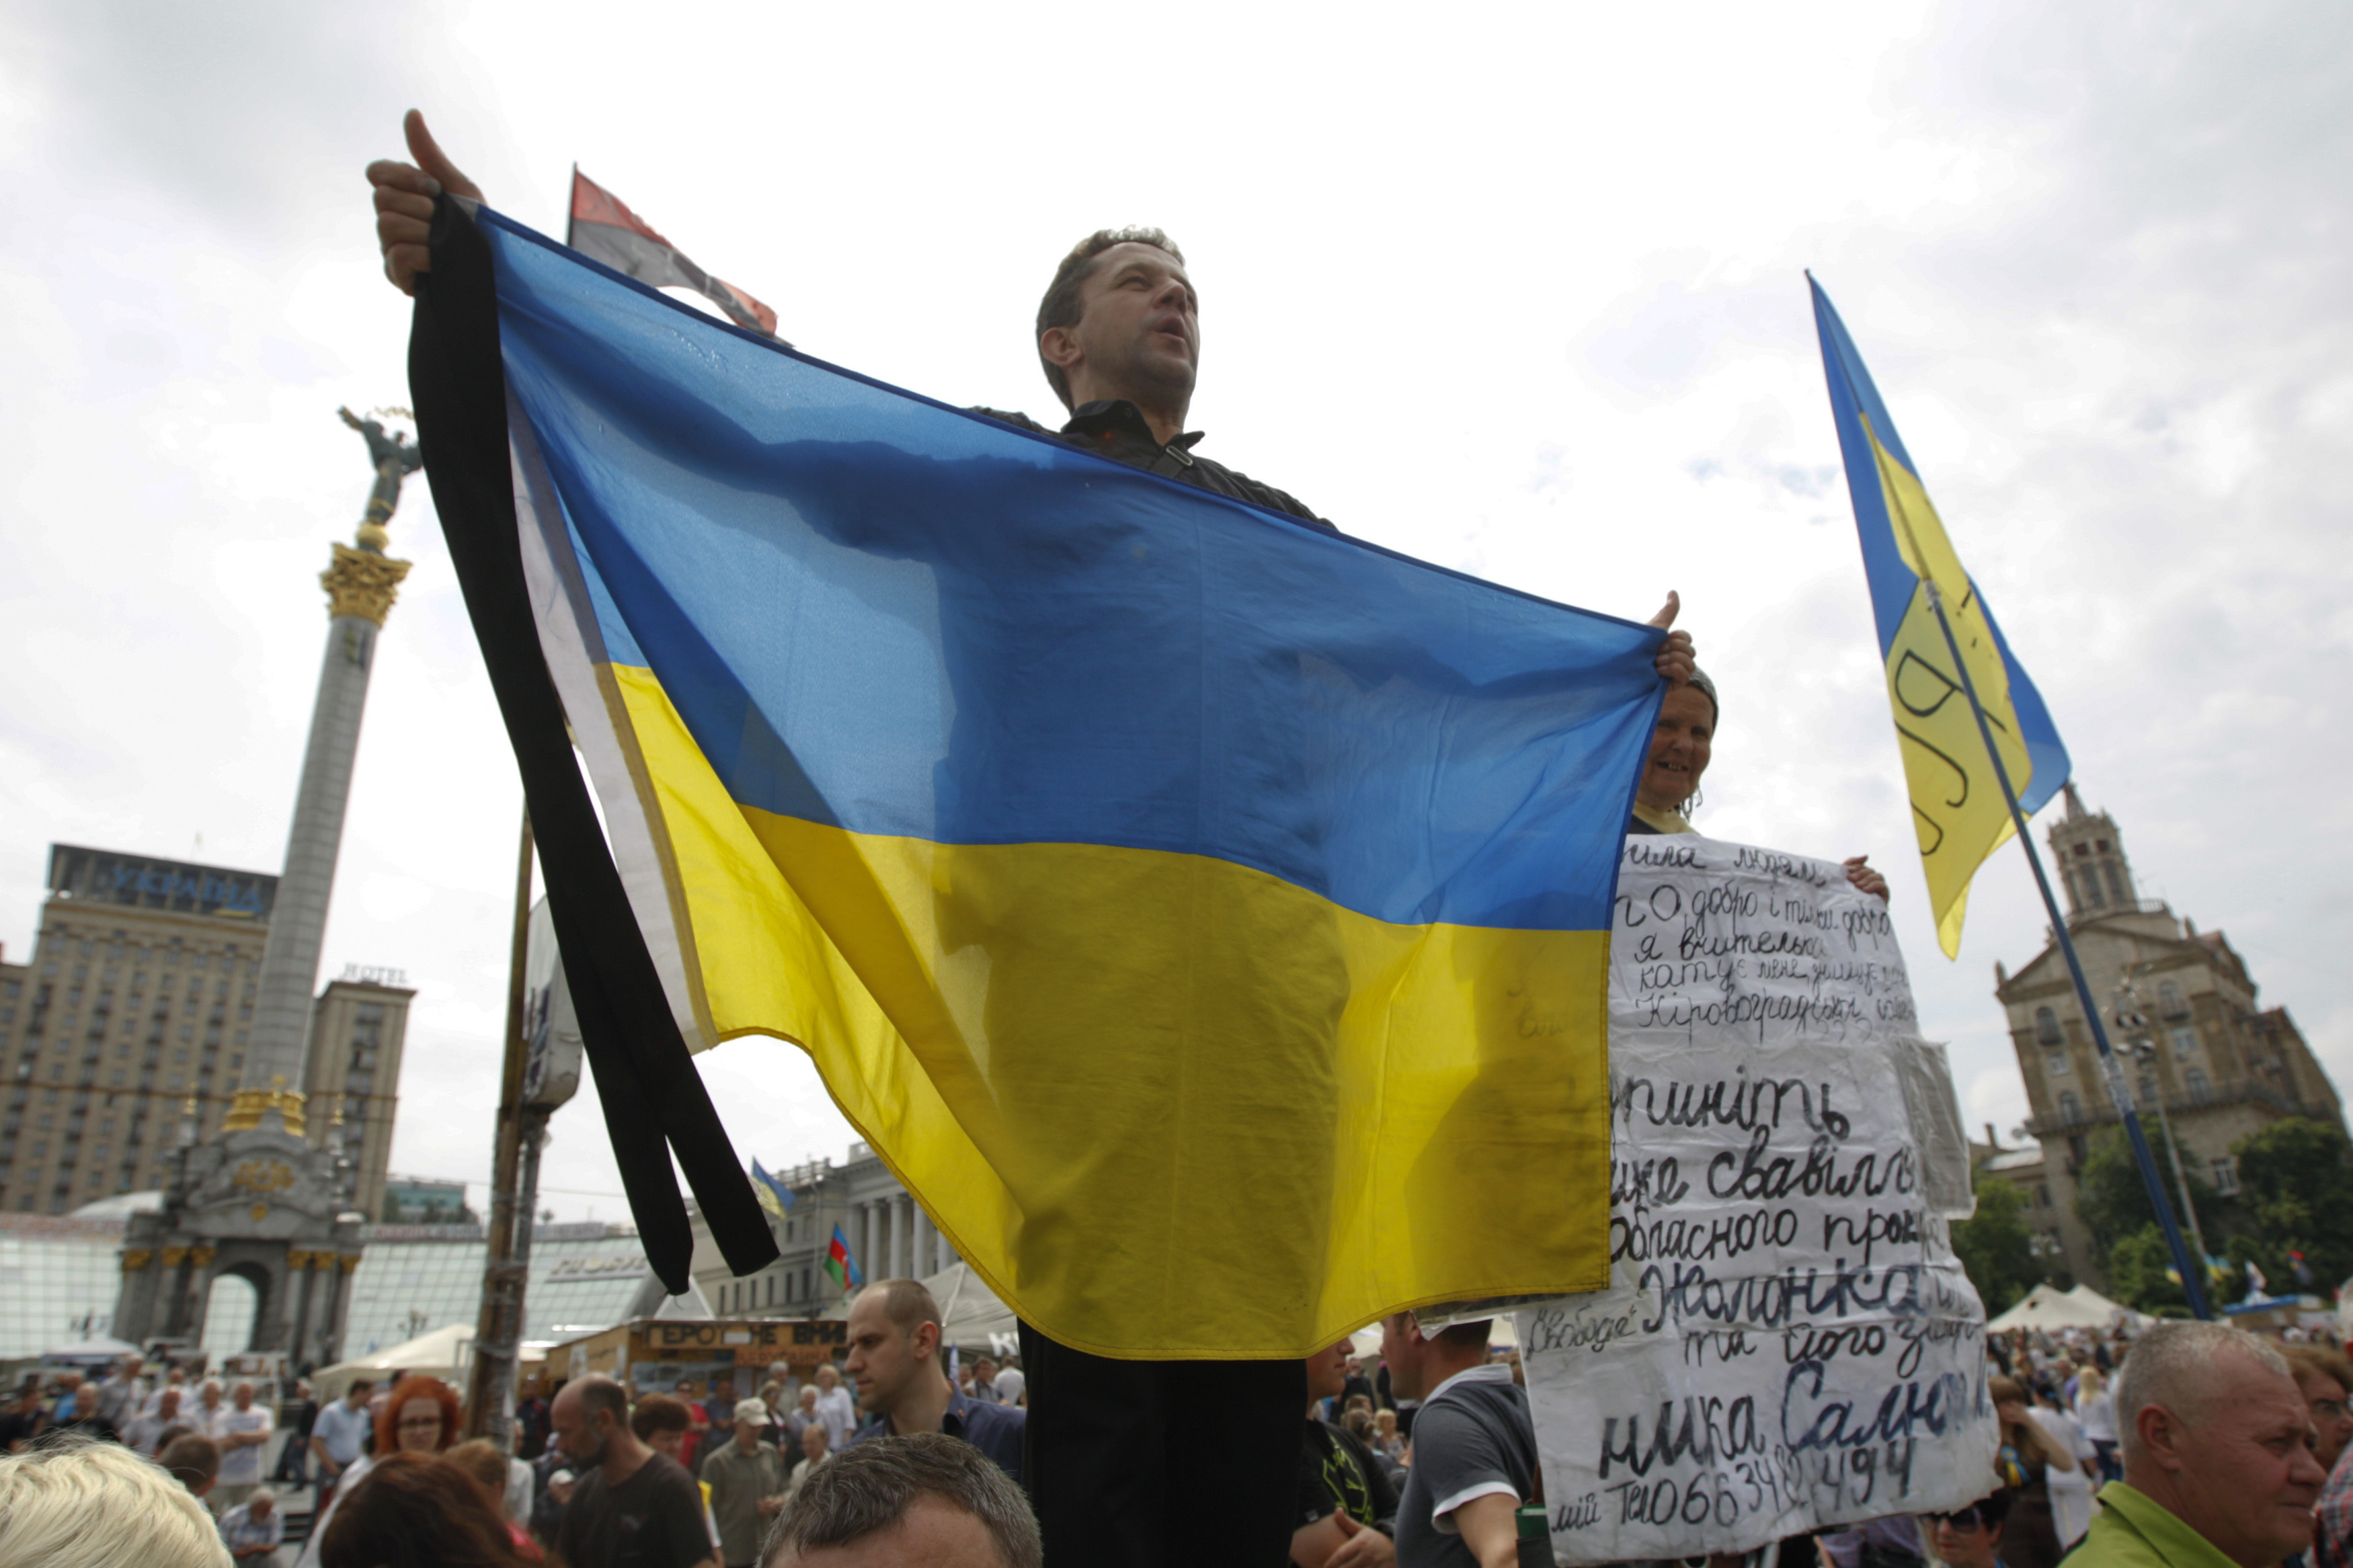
{"points": [[404, 202], [1676, 657]]}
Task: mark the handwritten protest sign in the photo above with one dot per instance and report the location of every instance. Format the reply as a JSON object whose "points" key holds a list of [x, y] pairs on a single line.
{"points": [[1788, 1341]]}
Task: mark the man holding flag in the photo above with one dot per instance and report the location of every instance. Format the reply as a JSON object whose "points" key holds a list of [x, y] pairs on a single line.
{"points": [[1120, 1442]]}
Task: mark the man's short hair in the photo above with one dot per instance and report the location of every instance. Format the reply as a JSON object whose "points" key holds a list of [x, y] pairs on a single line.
{"points": [[907, 1304], [194, 1457], [1060, 308], [358, 1385], [2171, 1366], [598, 1392], [261, 1494], [74, 1504], [658, 1413], [870, 1487]]}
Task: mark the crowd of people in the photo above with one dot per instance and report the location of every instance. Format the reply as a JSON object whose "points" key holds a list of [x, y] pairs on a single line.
{"points": [[2187, 1446]]}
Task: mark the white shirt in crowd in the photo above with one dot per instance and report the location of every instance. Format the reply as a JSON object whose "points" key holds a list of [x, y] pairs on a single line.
{"points": [[840, 1413], [242, 1465], [343, 1429]]}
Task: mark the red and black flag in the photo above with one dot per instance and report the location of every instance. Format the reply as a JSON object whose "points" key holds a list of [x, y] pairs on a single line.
{"points": [[604, 227]]}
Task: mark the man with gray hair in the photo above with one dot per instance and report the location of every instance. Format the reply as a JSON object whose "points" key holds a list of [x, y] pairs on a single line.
{"points": [[925, 1498], [2218, 1450]]}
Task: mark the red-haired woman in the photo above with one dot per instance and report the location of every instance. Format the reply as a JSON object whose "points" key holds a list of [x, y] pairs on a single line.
{"points": [[420, 1416], [415, 1510]]}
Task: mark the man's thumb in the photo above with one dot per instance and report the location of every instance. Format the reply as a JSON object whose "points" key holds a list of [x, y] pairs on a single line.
{"points": [[1666, 615], [433, 160], [1348, 1525]]}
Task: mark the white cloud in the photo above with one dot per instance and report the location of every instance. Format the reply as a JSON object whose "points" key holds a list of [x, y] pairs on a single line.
{"points": [[1516, 292]]}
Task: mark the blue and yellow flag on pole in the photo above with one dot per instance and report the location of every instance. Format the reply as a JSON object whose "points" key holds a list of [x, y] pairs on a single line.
{"points": [[773, 1195], [1204, 914], [1956, 801]]}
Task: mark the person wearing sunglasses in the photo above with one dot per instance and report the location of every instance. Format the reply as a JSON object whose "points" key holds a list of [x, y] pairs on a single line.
{"points": [[1971, 1537]]}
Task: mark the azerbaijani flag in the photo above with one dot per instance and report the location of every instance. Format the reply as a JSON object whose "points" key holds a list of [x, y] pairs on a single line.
{"points": [[1957, 809], [840, 1266], [1204, 915]]}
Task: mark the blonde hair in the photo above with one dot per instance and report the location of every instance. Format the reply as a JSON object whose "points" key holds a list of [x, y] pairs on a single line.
{"points": [[80, 1504]]}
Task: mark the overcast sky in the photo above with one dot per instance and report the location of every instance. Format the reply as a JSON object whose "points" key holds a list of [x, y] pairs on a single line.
{"points": [[1519, 292]]}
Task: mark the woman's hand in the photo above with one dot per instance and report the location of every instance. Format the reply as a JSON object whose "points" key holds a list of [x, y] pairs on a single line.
{"points": [[1859, 872]]}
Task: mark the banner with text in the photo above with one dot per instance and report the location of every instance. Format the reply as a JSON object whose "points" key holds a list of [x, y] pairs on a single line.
{"points": [[1788, 1342]]}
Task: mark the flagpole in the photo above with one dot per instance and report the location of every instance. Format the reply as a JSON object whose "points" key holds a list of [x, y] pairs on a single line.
{"points": [[2109, 1067]]}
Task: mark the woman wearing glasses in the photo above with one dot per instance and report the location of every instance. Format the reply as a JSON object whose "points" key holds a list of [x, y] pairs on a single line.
{"points": [[421, 1415], [1972, 1536]]}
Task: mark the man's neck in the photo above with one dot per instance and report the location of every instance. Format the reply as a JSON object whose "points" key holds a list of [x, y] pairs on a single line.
{"points": [[1166, 417], [624, 1457], [922, 1407], [1440, 1369]]}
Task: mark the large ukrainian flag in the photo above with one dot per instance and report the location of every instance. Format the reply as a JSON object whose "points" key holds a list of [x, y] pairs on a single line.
{"points": [[1204, 915], [1957, 807]]}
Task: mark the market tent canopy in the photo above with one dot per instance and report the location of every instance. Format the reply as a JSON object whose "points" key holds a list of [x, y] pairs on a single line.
{"points": [[2091, 1298], [2045, 1308], [442, 1353], [970, 1313], [101, 1347]]}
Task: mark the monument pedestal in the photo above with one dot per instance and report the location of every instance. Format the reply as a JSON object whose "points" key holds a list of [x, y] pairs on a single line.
{"points": [[262, 1204]]}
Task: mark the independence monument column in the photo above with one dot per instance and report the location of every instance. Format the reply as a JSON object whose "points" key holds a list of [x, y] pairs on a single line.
{"points": [[360, 586]]}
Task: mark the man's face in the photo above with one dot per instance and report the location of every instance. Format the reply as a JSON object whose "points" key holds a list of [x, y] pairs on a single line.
{"points": [[1327, 1371], [885, 1360], [244, 1396], [259, 1509], [1401, 1347], [359, 1394], [169, 1405], [581, 1436], [747, 1435], [984, 1372], [1139, 327], [212, 1394], [2332, 1421], [2247, 1477], [932, 1531], [813, 1441]]}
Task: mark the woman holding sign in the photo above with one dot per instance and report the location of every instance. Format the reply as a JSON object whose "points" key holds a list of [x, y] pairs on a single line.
{"points": [[1668, 789]]}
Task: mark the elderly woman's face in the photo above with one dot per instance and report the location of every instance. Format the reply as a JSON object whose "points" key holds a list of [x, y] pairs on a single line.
{"points": [[1678, 749]]}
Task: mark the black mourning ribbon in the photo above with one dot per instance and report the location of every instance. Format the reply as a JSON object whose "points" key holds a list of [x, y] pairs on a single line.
{"points": [[654, 1100]]}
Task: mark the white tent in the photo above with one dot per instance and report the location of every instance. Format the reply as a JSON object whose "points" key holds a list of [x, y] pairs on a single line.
{"points": [[2091, 1298], [2045, 1308], [971, 1315], [99, 1348], [444, 1353]]}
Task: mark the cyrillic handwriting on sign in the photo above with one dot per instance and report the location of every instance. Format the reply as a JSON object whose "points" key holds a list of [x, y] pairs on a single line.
{"points": [[1788, 1342]]}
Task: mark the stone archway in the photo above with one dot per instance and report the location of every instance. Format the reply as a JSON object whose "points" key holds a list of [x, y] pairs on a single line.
{"points": [[232, 1309]]}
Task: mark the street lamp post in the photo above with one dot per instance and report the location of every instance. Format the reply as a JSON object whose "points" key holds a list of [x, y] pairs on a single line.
{"points": [[2134, 1025]]}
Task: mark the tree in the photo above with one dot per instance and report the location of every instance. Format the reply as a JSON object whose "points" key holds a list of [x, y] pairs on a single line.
{"points": [[2295, 1192], [2139, 1276], [1996, 1246], [2114, 1203]]}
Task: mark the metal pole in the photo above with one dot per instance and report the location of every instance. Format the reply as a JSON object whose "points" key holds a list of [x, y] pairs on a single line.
{"points": [[498, 1331], [2117, 1091], [2189, 1204]]}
